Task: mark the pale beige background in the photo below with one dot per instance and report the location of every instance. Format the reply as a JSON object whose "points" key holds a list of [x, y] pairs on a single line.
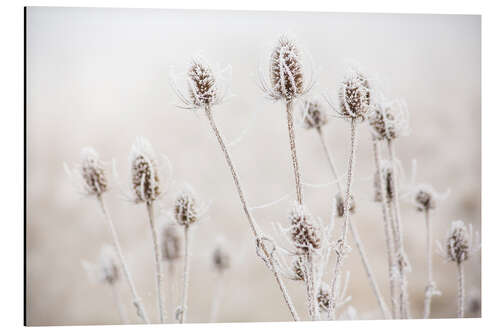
{"points": [[100, 77]]}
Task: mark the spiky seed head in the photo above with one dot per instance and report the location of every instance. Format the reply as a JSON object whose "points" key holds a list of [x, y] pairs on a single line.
{"points": [[298, 268], [314, 114], [144, 172], [388, 181], [458, 243], [92, 172], [323, 298], [355, 96], [304, 230], [286, 70], [339, 200], [202, 84], [425, 198], [171, 243], [389, 120], [221, 259], [108, 265], [186, 210]]}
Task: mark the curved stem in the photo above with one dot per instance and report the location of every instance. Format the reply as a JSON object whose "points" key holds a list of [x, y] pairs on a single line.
{"points": [[128, 277], [158, 266], [253, 225], [183, 314], [293, 149]]}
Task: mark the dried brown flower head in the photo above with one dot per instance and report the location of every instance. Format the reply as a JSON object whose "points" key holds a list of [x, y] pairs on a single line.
{"points": [[323, 298], [388, 181], [314, 114], [458, 243], [221, 259], [340, 205], [186, 209], [425, 198], [144, 172], [202, 84], [304, 231], [389, 120], [355, 96], [93, 175], [171, 243]]}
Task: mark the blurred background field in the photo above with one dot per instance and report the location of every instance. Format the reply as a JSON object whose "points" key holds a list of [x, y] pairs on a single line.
{"points": [[99, 77]]}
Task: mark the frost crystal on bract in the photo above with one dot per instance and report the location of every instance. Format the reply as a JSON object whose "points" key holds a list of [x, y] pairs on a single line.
{"points": [[145, 178], [389, 120]]}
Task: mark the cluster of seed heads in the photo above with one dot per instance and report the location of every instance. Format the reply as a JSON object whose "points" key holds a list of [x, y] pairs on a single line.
{"points": [[339, 200], [171, 243], [387, 182], [323, 298], [458, 243], [286, 71], [389, 120], [304, 232], [314, 114], [92, 172], [221, 259], [355, 96], [144, 172], [186, 210], [425, 198], [202, 85]]}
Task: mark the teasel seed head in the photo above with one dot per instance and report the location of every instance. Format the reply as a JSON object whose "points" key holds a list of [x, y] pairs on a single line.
{"points": [[389, 120], [388, 182], [458, 243], [323, 298], [171, 243], [339, 200], [355, 96], [425, 198], [92, 171], [221, 259], [145, 178], [313, 114], [186, 208], [304, 230], [202, 84]]}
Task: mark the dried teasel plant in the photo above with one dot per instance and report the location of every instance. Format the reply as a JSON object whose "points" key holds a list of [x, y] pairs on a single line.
{"points": [[459, 245], [389, 119], [198, 86], [90, 178]]}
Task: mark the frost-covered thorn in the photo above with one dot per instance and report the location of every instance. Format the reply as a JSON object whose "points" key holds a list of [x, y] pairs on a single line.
{"points": [[145, 179]]}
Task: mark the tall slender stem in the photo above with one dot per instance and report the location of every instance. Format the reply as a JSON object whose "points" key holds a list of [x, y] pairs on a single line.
{"points": [[389, 240], [461, 290], [158, 266], [404, 298], [293, 149], [119, 305], [183, 314], [341, 246], [217, 297], [253, 225], [429, 290], [128, 277], [356, 237]]}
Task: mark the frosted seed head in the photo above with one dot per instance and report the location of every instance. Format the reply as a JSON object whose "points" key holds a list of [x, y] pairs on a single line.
{"points": [[355, 96], [458, 243], [339, 200], [388, 182], [145, 178], [186, 208], [92, 171], [108, 265], [323, 298], [202, 84], [304, 230], [389, 120], [424, 198], [171, 243], [298, 268], [313, 114], [221, 259], [286, 70]]}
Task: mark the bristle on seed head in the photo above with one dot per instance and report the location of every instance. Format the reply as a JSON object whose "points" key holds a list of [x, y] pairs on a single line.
{"points": [[144, 172], [304, 230]]}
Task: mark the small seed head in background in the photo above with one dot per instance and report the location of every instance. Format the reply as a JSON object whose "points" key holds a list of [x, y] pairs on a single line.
{"points": [[298, 268], [389, 120], [339, 200], [304, 230], [221, 259], [458, 243], [314, 114], [424, 198], [108, 271], [171, 242], [186, 208], [388, 181], [355, 96], [92, 172], [323, 298], [144, 172]]}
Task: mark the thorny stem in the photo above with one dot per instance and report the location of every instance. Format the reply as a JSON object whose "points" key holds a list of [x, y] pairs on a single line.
{"points": [[355, 234], [341, 246], [429, 290], [461, 290], [404, 302], [158, 266], [270, 258], [183, 313], [119, 305], [136, 299], [293, 149], [387, 229]]}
